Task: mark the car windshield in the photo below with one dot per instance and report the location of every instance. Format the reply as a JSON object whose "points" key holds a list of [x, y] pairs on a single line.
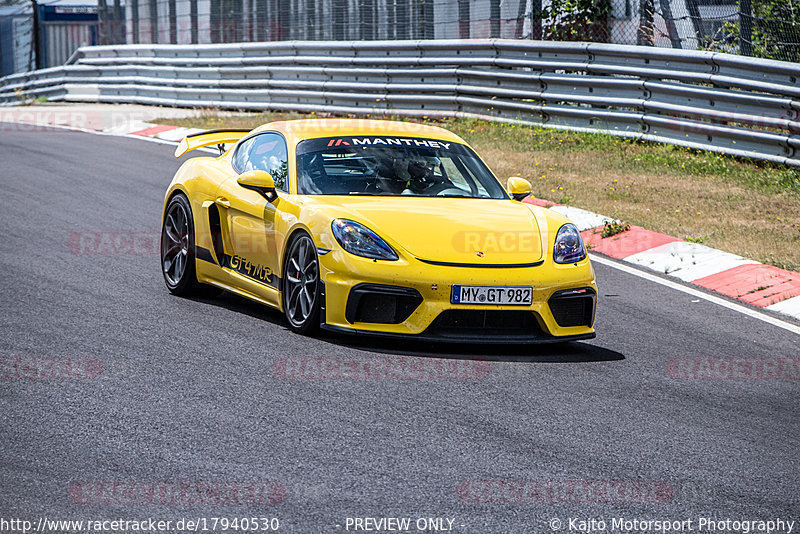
{"points": [[390, 166]]}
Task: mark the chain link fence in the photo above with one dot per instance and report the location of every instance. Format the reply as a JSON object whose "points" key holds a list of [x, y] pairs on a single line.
{"points": [[762, 28], [36, 34]]}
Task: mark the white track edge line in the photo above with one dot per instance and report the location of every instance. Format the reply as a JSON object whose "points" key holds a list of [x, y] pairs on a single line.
{"points": [[151, 139], [697, 293]]}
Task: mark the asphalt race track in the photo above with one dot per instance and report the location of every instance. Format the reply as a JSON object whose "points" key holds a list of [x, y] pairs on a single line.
{"points": [[192, 392]]}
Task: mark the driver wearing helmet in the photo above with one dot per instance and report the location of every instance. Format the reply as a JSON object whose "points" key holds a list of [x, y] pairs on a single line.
{"points": [[419, 174]]}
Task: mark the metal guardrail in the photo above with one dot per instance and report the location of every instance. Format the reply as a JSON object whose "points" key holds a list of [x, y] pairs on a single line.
{"points": [[705, 100]]}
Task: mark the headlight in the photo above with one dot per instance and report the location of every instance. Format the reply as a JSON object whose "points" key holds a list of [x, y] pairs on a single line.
{"points": [[569, 245], [359, 240]]}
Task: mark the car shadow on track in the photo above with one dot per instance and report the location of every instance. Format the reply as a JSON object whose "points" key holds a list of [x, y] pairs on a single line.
{"points": [[238, 304], [566, 352]]}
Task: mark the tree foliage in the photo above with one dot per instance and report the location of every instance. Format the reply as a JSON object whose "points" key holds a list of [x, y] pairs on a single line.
{"points": [[774, 34], [776, 29], [576, 20]]}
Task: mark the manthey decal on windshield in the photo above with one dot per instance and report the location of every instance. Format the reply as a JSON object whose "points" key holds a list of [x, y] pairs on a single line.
{"points": [[395, 141]]}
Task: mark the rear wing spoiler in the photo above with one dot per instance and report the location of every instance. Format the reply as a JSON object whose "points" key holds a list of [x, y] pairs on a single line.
{"points": [[211, 137]]}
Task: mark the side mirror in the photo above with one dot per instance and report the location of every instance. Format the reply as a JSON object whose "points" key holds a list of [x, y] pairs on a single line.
{"points": [[260, 182], [518, 188]]}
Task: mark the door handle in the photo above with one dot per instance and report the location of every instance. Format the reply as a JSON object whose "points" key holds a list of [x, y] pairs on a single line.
{"points": [[224, 202]]}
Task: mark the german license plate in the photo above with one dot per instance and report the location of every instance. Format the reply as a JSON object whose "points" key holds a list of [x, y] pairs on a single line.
{"points": [[497, 295]]}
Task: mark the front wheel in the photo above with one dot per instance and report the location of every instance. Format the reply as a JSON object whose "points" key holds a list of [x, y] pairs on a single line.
{"points": [[301, 298]]}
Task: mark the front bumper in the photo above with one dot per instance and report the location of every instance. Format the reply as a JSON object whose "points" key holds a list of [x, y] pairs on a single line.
{"points": [[533, 339], [434, 317]]}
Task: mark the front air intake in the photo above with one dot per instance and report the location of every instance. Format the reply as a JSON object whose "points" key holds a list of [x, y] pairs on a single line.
{"points": [[375, 303], [573, 307], [488, 323]]}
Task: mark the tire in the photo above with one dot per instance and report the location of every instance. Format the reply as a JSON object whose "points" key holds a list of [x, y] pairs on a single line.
{"points": [[178, 249], [301, 295]]}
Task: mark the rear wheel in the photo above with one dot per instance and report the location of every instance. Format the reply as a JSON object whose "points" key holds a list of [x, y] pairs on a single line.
{"points": [[301, 298], [178, 248]]}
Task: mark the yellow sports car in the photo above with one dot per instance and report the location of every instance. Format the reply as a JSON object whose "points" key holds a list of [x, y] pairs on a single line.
{"points": [[374, 227]]}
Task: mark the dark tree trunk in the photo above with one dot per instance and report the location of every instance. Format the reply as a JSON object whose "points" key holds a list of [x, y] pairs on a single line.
{"points": [[193, 20], [645, 36], [427, 19], [367, 16], [102, 21], [746, 27], [261, 20], [536, 19], [311, 19], [520, 18], [236, 21], [390, 19], [403, 21], [118, 34], [173, 26], [135, 20], [36, 49], [153, 21], [339, 13], [672, 31], [215, 21]]}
